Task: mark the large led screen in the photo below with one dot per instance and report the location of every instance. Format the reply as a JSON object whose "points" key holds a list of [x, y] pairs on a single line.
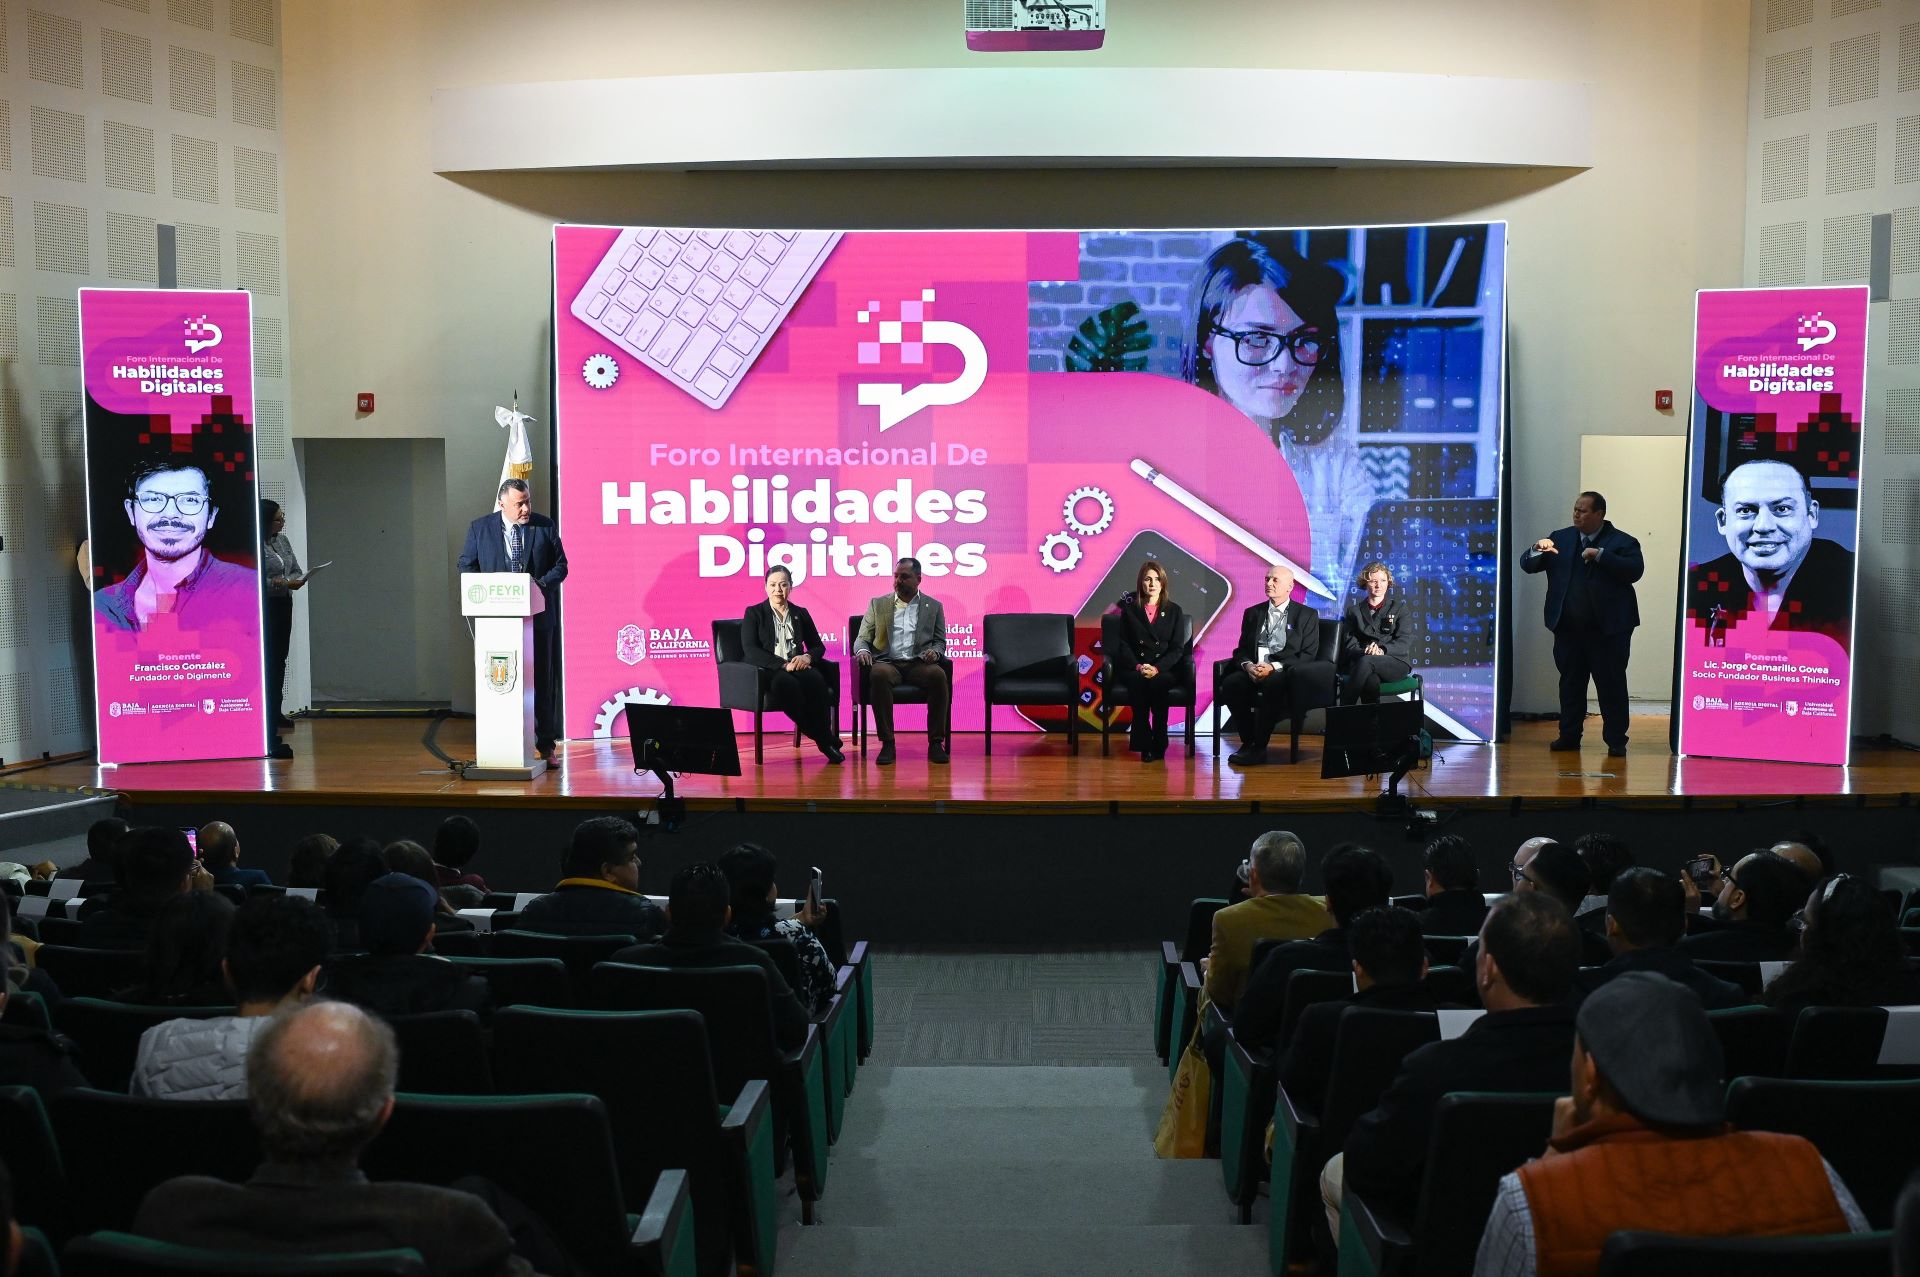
{"points": [[1031, 414]]}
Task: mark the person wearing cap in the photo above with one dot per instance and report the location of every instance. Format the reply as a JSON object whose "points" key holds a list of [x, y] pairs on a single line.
{"points": [[1642, 1142], [397, 976], [1524, 972], [1646, 916]]}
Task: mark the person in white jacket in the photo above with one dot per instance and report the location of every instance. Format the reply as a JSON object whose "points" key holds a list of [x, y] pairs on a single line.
{"points": [[274, 954]]}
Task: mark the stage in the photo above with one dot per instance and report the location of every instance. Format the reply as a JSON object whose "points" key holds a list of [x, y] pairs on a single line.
{"points": [[383, 762]]}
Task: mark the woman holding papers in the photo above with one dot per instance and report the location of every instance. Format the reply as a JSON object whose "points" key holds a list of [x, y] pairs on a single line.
{"points": [[280, 576], [1149, 657]]}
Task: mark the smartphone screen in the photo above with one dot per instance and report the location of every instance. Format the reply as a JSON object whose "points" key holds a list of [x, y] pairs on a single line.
{"points": [[815, 890], [193, 841], [1700, 869], [1200, 590]]}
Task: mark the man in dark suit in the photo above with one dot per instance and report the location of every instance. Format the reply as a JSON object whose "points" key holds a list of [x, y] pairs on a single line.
{"points": [[699, 906], [1276, 637], [1455, 904], [1592, 611], [517, 540], [319, 1088], [1646, 916], [1528, 953], [1389, 974]]}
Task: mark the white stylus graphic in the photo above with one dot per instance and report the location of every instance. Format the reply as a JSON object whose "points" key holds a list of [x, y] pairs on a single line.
{"points": [[1221, 522]]}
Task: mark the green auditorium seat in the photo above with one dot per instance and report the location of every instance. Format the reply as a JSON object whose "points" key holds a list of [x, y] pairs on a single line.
{"points": [[534, 982], [120, 1147], [1642, 1254], [40, 1193], [124, 1255], [108, 1033], [1853, 1124], [1192, 946]]}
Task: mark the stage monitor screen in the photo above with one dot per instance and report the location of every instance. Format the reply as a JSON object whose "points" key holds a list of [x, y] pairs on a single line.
{"points": [[1027, 413]]}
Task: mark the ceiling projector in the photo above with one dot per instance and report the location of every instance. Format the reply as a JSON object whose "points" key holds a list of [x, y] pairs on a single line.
{"points": [[1023, 26]]}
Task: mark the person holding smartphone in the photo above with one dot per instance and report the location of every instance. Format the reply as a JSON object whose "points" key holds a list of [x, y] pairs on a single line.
{"points": [[750, 870], [1152, 652]]}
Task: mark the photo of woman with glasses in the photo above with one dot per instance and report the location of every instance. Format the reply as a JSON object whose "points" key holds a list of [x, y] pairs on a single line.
{"points": [[170, 504], [1264, 336]]}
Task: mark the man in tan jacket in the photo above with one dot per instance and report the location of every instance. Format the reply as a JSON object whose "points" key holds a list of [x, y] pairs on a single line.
{"points": [[1276, 911]]}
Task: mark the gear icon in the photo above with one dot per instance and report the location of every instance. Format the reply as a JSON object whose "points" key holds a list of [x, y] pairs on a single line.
{"points": [[1099, 525], [611, 708], [600, 371], [1055, 541]]}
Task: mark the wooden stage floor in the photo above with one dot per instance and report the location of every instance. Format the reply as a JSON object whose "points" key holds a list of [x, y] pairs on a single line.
{"points": [[383, 762]]}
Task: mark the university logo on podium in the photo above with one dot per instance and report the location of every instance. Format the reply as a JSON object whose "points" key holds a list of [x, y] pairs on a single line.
{"points": [[503, 670]]}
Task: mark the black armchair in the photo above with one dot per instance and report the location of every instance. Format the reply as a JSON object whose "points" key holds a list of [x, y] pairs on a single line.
{"points": [[1312, 686], [1030, 661], [744, 686], [902, 695], [1186, 683]]}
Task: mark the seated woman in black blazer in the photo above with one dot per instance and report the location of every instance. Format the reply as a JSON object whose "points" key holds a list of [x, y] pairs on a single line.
{"points": [[1146, 659], [1376, 637], [780, 636]]}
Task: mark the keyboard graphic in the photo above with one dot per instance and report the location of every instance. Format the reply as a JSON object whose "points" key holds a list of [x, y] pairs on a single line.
{"points": [[698, 306]]}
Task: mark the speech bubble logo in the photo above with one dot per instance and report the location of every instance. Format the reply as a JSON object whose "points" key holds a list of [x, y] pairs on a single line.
{"points": [[896, 402], [202, 334], [1821, 329]]}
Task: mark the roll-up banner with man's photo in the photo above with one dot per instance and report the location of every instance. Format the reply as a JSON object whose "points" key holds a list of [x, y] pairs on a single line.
{"points": [[1034, 416], [1773, 492], [173, 524]]}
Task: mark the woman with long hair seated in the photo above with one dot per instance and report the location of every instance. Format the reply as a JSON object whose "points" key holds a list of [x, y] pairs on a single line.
{"points": [[1851, 952]]}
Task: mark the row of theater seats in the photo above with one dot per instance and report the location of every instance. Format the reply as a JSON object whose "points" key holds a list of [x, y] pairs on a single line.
{"points": [[1819, 1075], [663, 1070]]}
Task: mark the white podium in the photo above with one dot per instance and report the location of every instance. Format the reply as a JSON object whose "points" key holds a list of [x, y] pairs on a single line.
{"points": [[501, 606]]}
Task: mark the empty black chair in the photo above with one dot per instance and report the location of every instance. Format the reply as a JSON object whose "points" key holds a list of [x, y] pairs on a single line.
{"points": [[734, 1004], [53, 930], [1855, 1125], [580, 953], [108, 1033], [551, 1153], [747, 687], [1644, 1254], [124, 1255], [91, 973], [1193, 946], [1312, 686], [1452, 985], [1304, 988], [902, 695], [1246, 1089], [443, 1053], [1476, 1139], [27, 1144], [121, 1147], [539, 982], [1029, 661], [651, 1070], [1753, 1040], [1114, 694], [1842, 1044]]}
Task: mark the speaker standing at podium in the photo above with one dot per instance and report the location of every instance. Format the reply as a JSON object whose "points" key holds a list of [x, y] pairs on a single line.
{"points": [[518, 540]]}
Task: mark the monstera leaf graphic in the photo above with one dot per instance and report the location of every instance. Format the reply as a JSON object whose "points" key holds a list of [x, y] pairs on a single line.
{"points": [[1112, 340]]}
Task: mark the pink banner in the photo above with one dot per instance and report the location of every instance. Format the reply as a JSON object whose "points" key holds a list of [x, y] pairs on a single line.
{"points": [[1773, 497], [173, 524], [1031, 414]]}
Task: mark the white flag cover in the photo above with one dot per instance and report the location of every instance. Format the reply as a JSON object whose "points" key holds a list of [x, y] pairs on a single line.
{"points": [[519, 462]]}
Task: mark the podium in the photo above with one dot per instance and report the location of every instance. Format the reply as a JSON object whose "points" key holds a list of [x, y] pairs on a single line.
{"points": [[501, 606]]}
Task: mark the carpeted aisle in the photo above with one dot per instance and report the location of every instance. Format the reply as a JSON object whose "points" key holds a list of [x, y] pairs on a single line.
{"points": [[1004, 1124]]}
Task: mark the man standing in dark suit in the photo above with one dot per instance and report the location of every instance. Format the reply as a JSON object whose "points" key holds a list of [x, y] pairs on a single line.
{"points": [[518, 540], [1592, 611], [1276, 637]]}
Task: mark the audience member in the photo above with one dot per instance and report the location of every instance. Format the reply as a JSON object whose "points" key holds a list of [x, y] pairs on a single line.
{"points": [[1851, 953], [1529, 950], [1906, 1230], [397, 976], [750, 870], [353, 865], [101, 868], [1642, 1143], [1274, 910], [410, 858], [1389, 974], [156, 864], [1604, 855], [1807, 852], [697, 917], [1754, 909], [307, 866], [1646, 916], [320, 1086], [21, 977], [31, 1056], [185, 952], [1556, 869], [274, 952], [599, 890], [1455, 904], [220, 853], [1356, 878], [455, 843]]}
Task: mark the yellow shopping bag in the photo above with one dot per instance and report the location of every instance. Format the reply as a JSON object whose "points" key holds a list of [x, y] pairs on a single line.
{"points": [[1183, 1124]]}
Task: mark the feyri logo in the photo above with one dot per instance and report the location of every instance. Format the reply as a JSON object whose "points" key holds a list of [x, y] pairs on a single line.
{"points": [[1814, 330], [202, 334], [910, 335]]}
